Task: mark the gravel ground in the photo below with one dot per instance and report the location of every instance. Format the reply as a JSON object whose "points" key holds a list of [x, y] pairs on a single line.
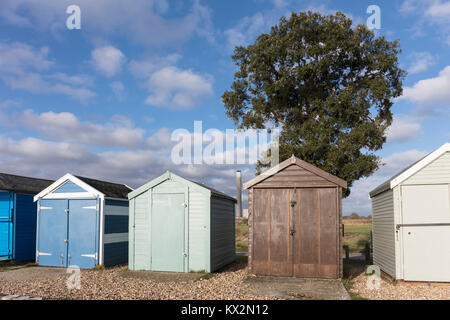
{"points": [[31, 273], [401, 290], [116, 283]]}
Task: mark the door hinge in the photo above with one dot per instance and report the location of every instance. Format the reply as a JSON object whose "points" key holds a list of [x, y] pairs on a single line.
{"points": [[94, 256], [42, 253]]}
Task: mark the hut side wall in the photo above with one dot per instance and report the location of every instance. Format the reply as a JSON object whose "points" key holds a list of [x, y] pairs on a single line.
{"points": [[384, 232], [222, 232], [115, 238], [24, 227], [250, 230]]}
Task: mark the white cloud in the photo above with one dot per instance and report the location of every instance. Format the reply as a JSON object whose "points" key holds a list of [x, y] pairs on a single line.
{"points": [[430, 91], [65, 126], [434, 13], [177, 89], [26, 68], [8, 103], [404, 128], [421, 61], [439, 9], [145, 67], [108, 60], [142, 22]]}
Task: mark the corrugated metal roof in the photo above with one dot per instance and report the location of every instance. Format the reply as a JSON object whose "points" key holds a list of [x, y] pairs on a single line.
{"points": [[109, 189], [20, 184]]}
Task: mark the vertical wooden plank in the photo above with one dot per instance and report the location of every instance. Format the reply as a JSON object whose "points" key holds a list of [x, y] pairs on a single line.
{"points": [[279, 204], [250, 230], [260, 237], [318, 228], [328, 252], [306, 257]]}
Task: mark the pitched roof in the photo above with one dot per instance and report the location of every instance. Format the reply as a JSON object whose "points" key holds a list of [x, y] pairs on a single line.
{"points": [[410, 170], [109, 189], [170, 175], [291, 161], [20, 184], [214, 191]]}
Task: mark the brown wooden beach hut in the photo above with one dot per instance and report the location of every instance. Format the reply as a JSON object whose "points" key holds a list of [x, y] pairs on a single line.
{"points": [[295, 216]]}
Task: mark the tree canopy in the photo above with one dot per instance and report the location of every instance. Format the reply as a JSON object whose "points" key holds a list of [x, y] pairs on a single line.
{"points": [[327, 85]]}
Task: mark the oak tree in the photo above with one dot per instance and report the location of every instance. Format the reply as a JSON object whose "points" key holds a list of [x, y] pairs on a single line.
{"points": [[327, 85]]}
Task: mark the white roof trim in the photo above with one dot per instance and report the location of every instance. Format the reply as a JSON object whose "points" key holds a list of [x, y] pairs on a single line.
{"points": [[68, 177], [420, 165]]}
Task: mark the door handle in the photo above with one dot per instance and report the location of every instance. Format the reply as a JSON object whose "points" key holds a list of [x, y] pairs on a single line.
{"points": [[292, 232], [66, 241]]}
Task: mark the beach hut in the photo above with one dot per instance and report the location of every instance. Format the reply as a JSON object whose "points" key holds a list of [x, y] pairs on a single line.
{"points": [[411, 220], [18, 216], [179, 225], [82, 222], [295, 216]]}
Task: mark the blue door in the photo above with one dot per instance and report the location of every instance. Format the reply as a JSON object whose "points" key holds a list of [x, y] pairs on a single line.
{"points": [[83, 231], [52, 229], [6, 225]]}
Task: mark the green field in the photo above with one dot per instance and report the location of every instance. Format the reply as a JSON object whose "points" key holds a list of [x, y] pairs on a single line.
{"points": [[241, 236], [356, 235]]}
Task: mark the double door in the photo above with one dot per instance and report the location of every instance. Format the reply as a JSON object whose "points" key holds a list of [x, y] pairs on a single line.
{"points": [[68, 233], [296, 232]]}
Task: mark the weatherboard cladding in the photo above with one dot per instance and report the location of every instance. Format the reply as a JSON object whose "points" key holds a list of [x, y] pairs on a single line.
{"points": [[384, 231], [19, 242], [401, 205], [198, 236], [222, 232]]}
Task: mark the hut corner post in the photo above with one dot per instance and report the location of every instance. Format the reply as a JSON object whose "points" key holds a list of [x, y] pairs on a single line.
{"points": [[239, 194]]}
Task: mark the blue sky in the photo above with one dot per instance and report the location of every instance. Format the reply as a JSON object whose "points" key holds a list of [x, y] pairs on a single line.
{"points": [[102, 101]]}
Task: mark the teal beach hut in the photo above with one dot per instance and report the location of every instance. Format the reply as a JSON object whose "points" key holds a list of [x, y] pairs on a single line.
{"points": [[178, 225]]}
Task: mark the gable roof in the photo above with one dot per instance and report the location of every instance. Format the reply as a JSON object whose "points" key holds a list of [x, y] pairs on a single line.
{"points": [[20, 184], [109, 189], [169, 175], [410, 170], [92, 187], [295, 161]]}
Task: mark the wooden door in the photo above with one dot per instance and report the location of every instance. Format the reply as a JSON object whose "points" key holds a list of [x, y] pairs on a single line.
{"points": [[316, 238], [271, 254], [295, 232]]}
